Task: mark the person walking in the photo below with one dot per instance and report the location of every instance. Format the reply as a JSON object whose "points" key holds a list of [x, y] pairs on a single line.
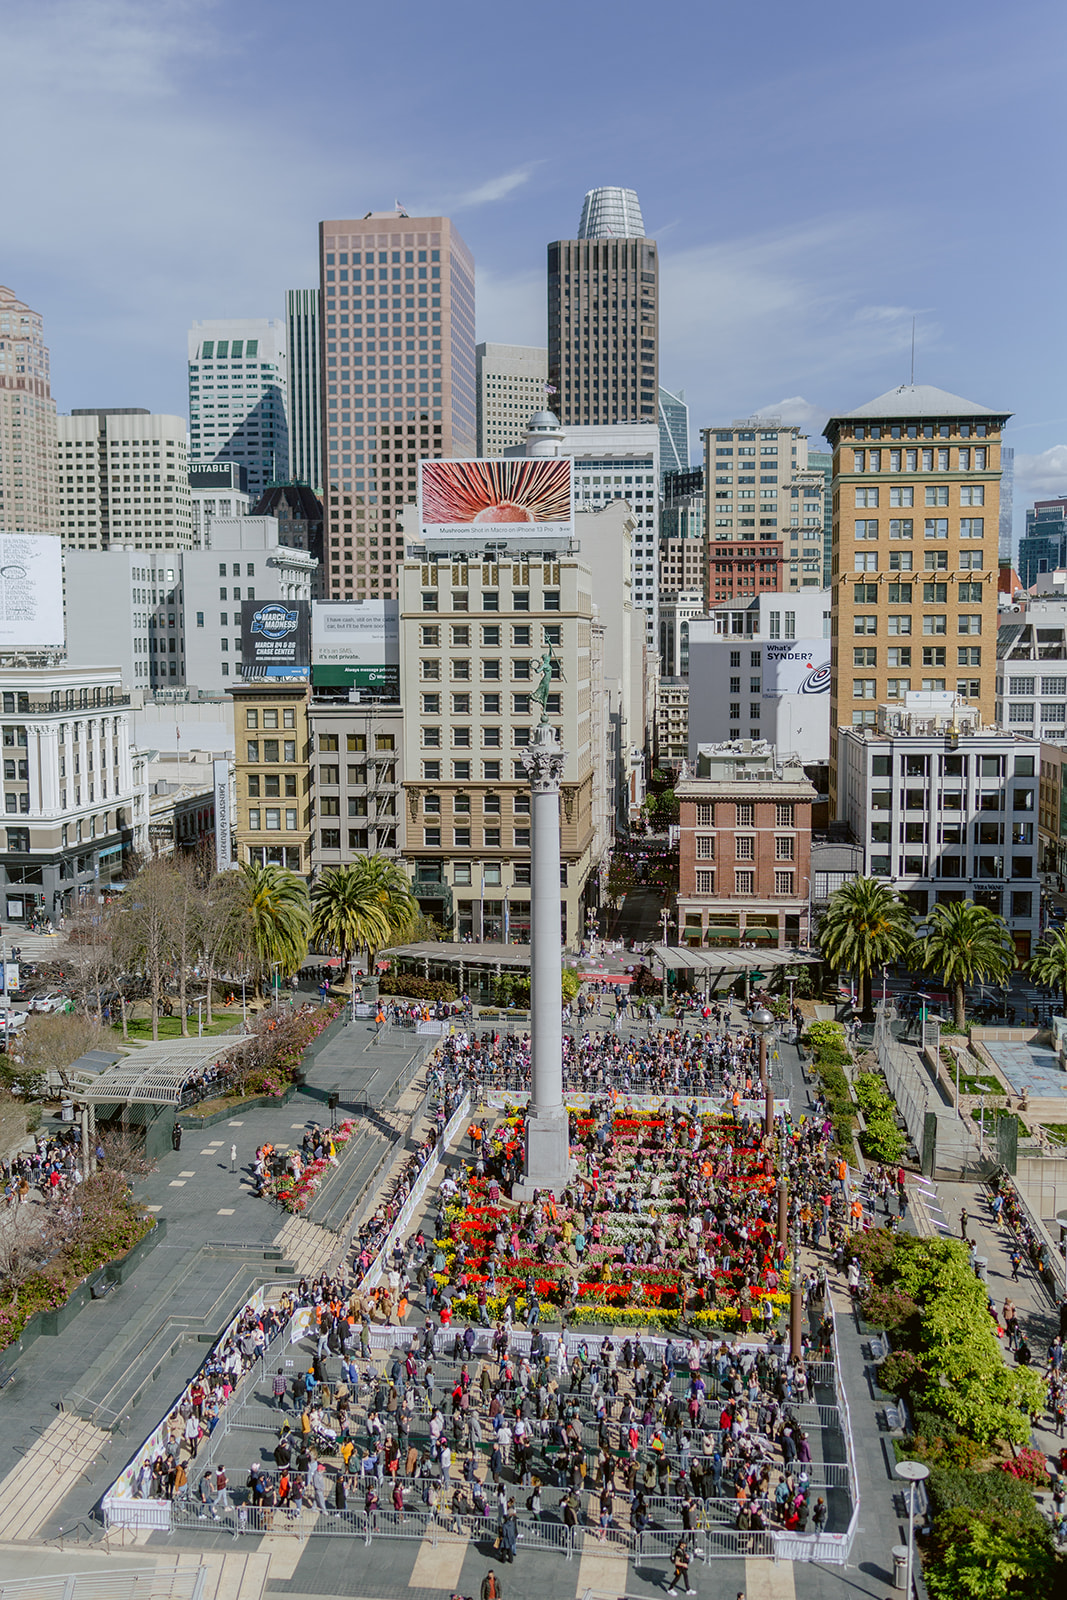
{"points": [[278, 1389], [491, 1586], [233, 1158], [680, 1557], [176, 1136]]}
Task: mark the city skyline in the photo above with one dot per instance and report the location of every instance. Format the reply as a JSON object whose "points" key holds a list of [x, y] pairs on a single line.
{"points": [[790, 296]]}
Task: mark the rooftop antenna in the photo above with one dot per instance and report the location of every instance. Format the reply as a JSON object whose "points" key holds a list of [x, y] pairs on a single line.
{"points": [[913, 352]]}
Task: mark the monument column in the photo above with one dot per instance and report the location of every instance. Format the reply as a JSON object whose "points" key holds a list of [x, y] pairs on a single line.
{"points": [[547, 1140]]}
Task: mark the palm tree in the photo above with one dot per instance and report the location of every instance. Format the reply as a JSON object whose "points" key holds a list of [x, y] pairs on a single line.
{"points": [[865, 927], [964, 943], [276, 916], [1048, 964], [366, 904]]}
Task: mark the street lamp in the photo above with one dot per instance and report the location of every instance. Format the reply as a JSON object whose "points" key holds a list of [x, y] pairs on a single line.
{"points": [[912, 1472], [275, 981], [761, 1020]]}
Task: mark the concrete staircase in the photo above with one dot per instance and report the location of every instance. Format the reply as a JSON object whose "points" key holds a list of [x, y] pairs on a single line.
{"points": [[47, 1473]]}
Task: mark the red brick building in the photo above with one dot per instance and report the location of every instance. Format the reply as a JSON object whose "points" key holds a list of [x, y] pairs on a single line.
{"points": [[745, 848]]}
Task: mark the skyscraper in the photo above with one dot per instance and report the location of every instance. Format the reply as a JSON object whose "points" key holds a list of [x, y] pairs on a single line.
{"points": [[611, 214], [398, 380], [603, 317], [746, 545], [673, 433], [237, 397], [511, 387], [916, 518], [305, 387], [27, 421], [1007, 502], [123, 479]]}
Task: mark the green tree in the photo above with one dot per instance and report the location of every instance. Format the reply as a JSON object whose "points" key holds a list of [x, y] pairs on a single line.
{"points": [[364, 905], [964, 943], [1048, 964], [994, 1563], [277, 918], [866, 926]]}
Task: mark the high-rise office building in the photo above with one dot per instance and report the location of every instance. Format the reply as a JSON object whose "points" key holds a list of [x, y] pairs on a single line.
{"points": [[398, 380], [916, 519], [603, 317], [27, 421], [758, 493], [303, 351], [512, 380], [1043, 546], [237, 396], [122, 479], [611, 214], [673, 433]]}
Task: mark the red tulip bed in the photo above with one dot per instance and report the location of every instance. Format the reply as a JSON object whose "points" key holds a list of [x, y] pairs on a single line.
{"points": [[601, 1286]]}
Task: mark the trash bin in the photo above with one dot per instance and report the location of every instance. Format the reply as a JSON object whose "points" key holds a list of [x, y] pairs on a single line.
{"points": [[981, 1267], [66, 1111], [900, 1566]]}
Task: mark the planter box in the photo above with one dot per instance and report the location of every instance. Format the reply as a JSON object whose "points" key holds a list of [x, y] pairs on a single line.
{"points": [[257, 1102], [49, 1324]]}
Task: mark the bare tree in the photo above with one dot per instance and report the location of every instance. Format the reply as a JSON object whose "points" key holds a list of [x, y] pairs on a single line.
{"points": [[50, 1043], [89, 957], [145, 928], [188, 908], [222, 925]]}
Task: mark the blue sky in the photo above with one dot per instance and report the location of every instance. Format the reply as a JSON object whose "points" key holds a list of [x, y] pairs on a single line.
{"points": [[816, 177]]}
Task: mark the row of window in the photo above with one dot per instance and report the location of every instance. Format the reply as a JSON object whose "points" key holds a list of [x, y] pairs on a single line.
{"points": [[744, 882], [490, 600], [268, 717], [491, 838], [1052, 711], [933, 561], [491, 804], [492, 738], [1055, 685], [953, 833], [270, 750], [745, 847], [710, 813], [967, 655], [967, 459], [867, 529], [269, 818], [951, 800], [461, 669], [462, 771]]}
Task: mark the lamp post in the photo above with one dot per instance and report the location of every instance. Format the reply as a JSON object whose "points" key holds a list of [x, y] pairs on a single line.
{"points": [[275, 978], [666, 919], [762, 1021], [912, 1472]]}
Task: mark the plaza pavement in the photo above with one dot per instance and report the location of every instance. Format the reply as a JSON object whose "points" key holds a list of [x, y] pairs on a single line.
{"points": [[212, 1204]]}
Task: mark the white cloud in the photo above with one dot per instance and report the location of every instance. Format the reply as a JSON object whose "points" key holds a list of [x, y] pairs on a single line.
{"points": [[1040, 477], [796, 412], [495, 188], [747, 317]]}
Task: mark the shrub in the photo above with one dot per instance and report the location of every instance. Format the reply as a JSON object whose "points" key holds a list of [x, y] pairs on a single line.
{"points": [[900, 1372], [827, 1035], [1029, 1466], [882, 1140], [990, 1559], [888, 1308], [871, 1093], [414, 988]]}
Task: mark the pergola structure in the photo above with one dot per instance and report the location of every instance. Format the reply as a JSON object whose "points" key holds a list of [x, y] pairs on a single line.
{"points": [[719, 968], [152, 1075]]}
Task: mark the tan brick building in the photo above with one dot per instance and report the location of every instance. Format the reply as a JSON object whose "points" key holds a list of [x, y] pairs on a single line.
{"points": [[274, 811], [916, 510], [745, 848]]}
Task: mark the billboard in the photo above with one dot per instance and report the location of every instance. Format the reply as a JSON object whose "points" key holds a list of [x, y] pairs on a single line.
{"points": [[276, 640], [220, 771], [31, 592], [521, 498], [796, 666], [356, 643]]}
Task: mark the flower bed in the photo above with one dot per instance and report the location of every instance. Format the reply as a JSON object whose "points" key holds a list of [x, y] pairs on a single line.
{"points": [[296, 1191], [620, 1251]]}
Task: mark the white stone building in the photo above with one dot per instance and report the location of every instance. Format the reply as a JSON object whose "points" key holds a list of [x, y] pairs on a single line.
{"points": [[237, 397], [68, 787], [739, 660], [122, 479], [946, 809]]}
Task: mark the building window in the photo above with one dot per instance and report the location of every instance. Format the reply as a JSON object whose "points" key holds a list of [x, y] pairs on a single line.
{"points": [[705, 846], [783, 849], [745, 847], [783, 814], [331, 838], [706, 811], [253, 819], [705, 883], [743, 882], [783, 883], [745, 814]]}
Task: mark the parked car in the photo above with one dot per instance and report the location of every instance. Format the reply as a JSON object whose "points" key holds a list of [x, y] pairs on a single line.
{"points": [[50, 1000]]}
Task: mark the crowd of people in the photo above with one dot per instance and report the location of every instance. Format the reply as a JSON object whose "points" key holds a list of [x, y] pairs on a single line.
{"points": [[51, 1170]]}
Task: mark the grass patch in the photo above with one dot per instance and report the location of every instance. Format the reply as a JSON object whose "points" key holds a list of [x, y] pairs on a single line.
{"points": [[223, 1102], [978, 1084], [171, 1027]]}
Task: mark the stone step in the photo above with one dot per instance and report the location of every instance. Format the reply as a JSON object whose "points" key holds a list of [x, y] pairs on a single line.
{"points": [[47, 1473]]}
